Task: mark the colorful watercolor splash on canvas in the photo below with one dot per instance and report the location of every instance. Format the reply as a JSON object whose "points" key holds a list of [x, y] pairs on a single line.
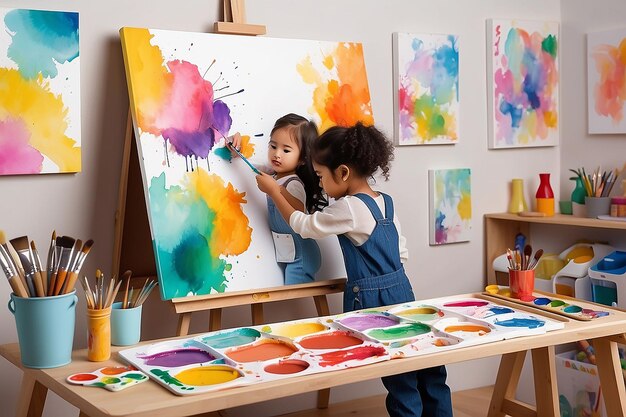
{"points": [[39, 92], [609, 92], [525, 84], [450, 205], [427, 88]]}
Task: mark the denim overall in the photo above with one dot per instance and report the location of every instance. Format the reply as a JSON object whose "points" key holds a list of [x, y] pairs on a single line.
{"points": [[305, 259], [376, 278]]}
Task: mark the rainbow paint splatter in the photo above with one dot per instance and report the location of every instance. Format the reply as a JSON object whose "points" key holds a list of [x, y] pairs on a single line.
{"points": [[524, 80], [450, 205], [39, 92], [427, 88]]}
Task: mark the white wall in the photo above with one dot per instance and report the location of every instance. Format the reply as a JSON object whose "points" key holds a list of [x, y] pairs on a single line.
{"points": [[83, 205]]}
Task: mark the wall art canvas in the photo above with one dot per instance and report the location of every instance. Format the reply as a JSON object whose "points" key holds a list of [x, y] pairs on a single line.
{"points": [[426, 89], [188, 91], [39, 92], [606, 81], [523, 82], [450, 205]]}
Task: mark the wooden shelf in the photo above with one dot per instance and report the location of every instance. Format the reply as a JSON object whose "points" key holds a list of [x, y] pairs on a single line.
{"points": [[501, 228]]}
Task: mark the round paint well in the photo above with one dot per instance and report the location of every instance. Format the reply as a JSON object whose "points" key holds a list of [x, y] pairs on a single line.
{"points": [[178, 357], [557, 303], [83, 377], [207, 375], [399, 332], [419, 313], [333, 340], [368, 321], [298, 329], [541, 301], [573, 309], [286, 367], [114, 370], [261, 351], [237, 337]]}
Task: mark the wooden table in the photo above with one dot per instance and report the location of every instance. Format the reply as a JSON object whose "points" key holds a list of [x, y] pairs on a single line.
{"points": [[152, 400]]}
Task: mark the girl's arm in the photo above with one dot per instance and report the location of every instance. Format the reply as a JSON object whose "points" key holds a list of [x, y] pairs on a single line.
{"points": [[293, 201], [269, 186]]}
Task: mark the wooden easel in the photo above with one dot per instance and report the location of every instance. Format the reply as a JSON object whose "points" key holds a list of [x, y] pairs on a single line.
{"points": [[133, 249]]}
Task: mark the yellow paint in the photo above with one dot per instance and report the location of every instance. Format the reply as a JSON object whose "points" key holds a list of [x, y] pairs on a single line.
{"points": [[231, 233], [465, 207], [207, 375], [43, 114], [298, 329]]}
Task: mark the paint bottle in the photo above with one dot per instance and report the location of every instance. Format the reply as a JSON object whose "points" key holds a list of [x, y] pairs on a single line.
{"points": [[545, 195], [518, 202], [99, 329]]}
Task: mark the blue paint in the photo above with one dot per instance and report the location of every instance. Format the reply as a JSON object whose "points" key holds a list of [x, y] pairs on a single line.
{"points": [[572, 309], [519, 322], [445, 71], [237, 337], [542, 301], [41, 40], [223, 153], [500, 310]]}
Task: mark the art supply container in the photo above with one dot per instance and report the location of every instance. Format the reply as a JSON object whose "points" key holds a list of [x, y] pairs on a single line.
{"points": [[99, 329], [45, 329], [597, 206], [125, 325], [518, 202], [522, 283], [565, 207], [545, 196]]}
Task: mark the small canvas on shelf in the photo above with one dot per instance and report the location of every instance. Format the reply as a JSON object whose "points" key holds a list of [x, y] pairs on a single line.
{"points": [[450, 205]]}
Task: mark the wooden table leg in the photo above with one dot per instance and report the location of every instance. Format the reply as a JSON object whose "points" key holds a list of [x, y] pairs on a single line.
{"points": [[503, 400], [544, 373], [321, 304], [183, 324], [215, 319], [611, 379], [257, 313], [32, 397]]}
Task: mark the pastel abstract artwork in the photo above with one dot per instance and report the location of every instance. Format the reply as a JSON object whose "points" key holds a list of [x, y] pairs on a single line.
{"points": [[523, 83], [426, 88], [188, 92], [450, 208], [606, 81], [39, 92]]}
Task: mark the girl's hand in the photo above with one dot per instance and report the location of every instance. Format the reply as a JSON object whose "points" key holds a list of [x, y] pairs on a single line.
{"points": [[267, 184], [234, 141]]}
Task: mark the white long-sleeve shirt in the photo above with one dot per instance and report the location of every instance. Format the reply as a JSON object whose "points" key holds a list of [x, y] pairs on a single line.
{"points": [[347, 215]]}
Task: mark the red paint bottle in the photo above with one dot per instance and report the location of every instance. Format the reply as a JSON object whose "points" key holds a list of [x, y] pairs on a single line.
{"points": [[545, 195]]}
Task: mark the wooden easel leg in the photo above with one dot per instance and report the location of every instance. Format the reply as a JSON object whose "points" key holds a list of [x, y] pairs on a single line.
{"points": [[544, 373], [321, 304], [183, 324], [506, 383], [82, 414], [215, 319], [257, 313], [32, 397], [611, 379]]}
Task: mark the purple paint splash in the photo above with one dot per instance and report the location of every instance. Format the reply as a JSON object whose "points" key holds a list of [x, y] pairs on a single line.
{"points": [[367, 321], [178, 357]]}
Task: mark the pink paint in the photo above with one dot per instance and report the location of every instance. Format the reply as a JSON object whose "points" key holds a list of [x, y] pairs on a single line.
{"points": [[367, 321], [17, 156], [466, 304]]}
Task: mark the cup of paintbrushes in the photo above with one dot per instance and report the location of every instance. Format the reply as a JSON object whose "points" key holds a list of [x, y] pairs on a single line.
{"points": [[522, 283], [126, 315]]}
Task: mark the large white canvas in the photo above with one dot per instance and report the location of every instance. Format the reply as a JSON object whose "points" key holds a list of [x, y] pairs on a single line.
{"points": [[606, 81], [426, 88], [523, 83], [259, 80]]}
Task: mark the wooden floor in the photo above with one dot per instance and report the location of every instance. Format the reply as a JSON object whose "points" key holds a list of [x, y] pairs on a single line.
{"points": [[470, 403]]}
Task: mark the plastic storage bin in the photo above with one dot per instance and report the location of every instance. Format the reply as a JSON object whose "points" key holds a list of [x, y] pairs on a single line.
{"points": [[608, 278]]}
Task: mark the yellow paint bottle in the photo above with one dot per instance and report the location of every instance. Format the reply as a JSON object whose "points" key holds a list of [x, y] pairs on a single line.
{"points": [[99, 329]]}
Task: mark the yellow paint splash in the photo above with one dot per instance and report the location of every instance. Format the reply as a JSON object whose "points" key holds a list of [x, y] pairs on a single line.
{"points": [[207, 375]]}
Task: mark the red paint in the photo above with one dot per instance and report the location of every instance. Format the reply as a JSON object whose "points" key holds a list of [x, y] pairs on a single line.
{"points": [[261, 351], [357, 353], [333, 340], [83, 377], [289, 366], [466, 304]]}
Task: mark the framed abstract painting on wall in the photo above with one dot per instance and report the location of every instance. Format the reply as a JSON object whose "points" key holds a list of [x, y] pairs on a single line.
{"points": [[426, 89], [606, 81], [523, 83], [188, 92], [450, 205], [39, 92]]}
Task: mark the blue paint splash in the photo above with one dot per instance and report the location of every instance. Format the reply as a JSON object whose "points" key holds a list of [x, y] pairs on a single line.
{"points": [[519, 322], [41, 39]]}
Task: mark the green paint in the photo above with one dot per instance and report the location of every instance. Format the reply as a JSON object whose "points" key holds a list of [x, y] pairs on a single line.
{"points": [[399, 332], [557, 303], [138, 377], [223, 153], [549, 45], [166, 377]]}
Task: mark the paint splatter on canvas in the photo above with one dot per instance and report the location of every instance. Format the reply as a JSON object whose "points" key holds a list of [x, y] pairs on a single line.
{"points": [[450, 204], [189, 91], [39, 92], [523, 83], [606, 81], [426, 88]]}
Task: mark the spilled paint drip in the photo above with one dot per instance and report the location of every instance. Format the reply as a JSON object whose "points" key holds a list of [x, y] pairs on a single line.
{"points": [[367, 321], [178, 357], [237, 337], [521, 322], [358, 353], [399, 332]]}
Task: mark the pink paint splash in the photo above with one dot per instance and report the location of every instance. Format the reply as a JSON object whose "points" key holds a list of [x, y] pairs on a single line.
{"points": [[610, 90], [17, 156]]}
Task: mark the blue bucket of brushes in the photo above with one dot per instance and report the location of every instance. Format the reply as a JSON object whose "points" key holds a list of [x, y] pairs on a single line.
{"points": [[45, 329]]}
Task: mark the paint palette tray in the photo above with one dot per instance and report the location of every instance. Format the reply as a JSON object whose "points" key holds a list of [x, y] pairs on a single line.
{"points": [[185, 366], [552, 304], [431, 342], [417, 311], [112, 378], [229, 338]]}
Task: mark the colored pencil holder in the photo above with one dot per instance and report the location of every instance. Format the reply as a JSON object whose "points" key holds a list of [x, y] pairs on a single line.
{"points": [[597, 206], [45, 329], [522, 283], [99, 328], [125, 325]]}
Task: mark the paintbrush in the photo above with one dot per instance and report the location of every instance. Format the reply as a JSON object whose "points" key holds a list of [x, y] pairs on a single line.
{"points": [[77, 264], [126, 291], [23, 252], [50, 261], [11, 274], [68, 245], [40, 274], [145, 292], [243, 158], [13, 259]]}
